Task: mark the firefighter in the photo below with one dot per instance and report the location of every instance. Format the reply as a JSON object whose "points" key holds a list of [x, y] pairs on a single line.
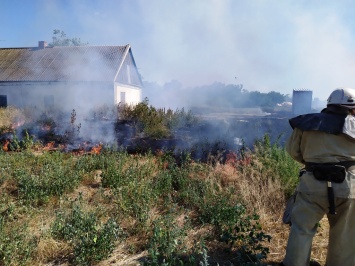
{"points": [[325, 144]]}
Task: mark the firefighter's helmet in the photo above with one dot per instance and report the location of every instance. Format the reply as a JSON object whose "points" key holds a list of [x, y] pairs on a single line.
{"points": [[343, 96]]}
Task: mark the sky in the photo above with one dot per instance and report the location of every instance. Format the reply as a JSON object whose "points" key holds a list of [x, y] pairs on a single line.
{"points": [[266, 45]]}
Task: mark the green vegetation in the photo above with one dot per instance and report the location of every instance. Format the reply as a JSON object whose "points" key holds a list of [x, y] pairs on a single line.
{"points": [[60, 39], [64, 207], [91, 240], [156, 123], [9, 117], [274, 157], [217, 95], [161, 202]]}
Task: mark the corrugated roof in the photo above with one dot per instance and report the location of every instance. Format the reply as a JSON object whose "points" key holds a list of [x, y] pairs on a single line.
{"points": [[61, 63]]}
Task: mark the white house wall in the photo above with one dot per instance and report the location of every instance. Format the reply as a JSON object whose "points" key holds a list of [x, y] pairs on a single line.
{"points": [[65, 95], [127, 95]]}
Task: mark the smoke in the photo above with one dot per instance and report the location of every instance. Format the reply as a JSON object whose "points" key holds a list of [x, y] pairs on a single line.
{"points": [[184, 45], [267, 45]]}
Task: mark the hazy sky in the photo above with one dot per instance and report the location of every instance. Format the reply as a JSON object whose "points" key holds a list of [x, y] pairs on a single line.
{"points": [[266, 45]]}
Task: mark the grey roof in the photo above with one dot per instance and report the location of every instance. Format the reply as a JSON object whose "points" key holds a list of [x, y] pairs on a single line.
{"points": [[69, 63]]}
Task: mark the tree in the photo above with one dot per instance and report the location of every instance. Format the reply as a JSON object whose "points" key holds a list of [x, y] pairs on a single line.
{"points": [[60, 39]]}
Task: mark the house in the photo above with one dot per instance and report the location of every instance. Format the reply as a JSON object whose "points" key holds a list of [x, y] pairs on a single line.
{"points": [[70, 77]]}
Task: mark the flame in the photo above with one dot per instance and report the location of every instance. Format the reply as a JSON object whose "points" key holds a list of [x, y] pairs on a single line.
{"points": [[231, 158], [5, 146], [49, 146], [96, 149]]}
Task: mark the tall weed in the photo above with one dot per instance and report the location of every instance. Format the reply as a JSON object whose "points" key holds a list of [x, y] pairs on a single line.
{"points": [[242, 232], [91, 239], [277, 161], [44, 176], [9, 117], [166, 244], [17, 245], [154, 122]]}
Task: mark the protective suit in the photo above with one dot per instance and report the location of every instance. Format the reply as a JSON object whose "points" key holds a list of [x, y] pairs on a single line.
{"points": [[326, 138]]}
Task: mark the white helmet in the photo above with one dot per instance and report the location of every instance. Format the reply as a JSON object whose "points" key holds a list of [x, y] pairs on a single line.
{"points": [[343, 96]]}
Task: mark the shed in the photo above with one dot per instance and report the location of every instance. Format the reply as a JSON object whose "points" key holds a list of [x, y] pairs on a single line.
{"points": [[71, 77]]}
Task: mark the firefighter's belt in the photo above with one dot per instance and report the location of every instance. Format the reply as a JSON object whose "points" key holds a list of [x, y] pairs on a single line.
{"points": [[330, 172], [333, 172]]}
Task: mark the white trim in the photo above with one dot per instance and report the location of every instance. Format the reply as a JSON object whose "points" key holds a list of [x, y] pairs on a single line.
{"points": [[123, 59], [128, 86]]}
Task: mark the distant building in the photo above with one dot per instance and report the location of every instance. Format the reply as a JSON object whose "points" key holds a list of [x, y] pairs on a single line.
{"points": [[302, 101], [71, 77]]}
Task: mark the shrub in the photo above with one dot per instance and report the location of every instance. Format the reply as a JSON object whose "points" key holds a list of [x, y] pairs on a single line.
{"points": [[275, 159], [136, 199], [120, 169], [240, 231], [44, 176], [9, 117], [166, 242], [16, 244], [91, 240], [156, 123], [190, 189], [24, 144]]}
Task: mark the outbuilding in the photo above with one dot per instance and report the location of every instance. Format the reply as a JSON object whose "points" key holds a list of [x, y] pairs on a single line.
{"points": [[70, 77]]}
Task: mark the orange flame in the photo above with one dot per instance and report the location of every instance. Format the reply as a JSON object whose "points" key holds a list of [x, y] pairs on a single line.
{"points": [[96, 149], [5, 146], [49, 146]]}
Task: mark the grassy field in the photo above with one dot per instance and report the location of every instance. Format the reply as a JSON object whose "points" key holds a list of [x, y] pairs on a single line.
{"points": [[105, 206]]}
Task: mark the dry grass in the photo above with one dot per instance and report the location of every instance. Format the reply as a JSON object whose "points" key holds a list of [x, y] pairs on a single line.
{"points": [[264, 194], [121, 257], [259, 190], [266, 199], [49, 249], [11, 117]]}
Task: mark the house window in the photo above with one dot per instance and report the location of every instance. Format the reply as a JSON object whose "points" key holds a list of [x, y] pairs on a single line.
{"points": [[3, 100], [123, 97], [48, 100]]}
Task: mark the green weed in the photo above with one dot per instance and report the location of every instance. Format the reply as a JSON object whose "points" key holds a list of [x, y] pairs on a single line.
{"points": [[16, 244], [50, 174], [240, 231], [91, 239], [276, 160], [156, 123], [24, 144], [166, 243]]}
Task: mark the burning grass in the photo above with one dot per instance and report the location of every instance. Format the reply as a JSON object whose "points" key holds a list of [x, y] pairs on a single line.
{"points": [[161, 209], [66, 201], [10, 118]]}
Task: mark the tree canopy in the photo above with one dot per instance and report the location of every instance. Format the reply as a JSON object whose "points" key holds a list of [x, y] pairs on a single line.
{"points": [[60, 39], [215, 95]]}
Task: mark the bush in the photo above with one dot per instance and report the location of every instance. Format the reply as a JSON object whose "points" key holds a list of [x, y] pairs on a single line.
{"points": [[24, 144], [91, 240], [242, 232], [9, 117], [275, 159], [156, 123], [16, 244], [166, 246], [44, 176]]}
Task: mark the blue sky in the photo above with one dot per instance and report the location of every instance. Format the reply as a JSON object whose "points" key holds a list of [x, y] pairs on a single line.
{"points": [[266, 45]]}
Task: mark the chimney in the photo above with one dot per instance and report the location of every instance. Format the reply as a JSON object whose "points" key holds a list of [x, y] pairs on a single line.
{"points": [[42, 44]]}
